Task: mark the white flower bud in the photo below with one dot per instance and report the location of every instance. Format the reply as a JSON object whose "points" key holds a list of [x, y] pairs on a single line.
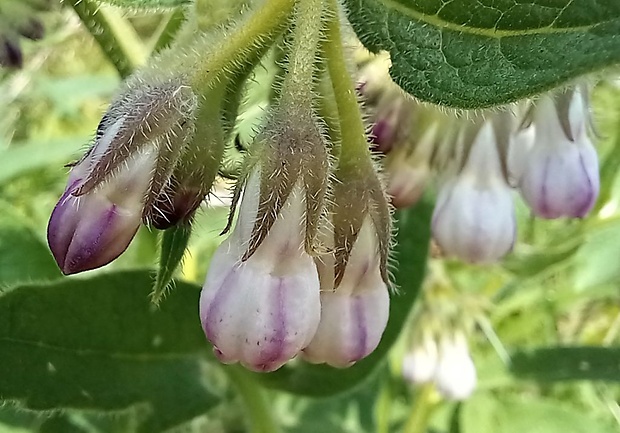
{"points": [[561, 172], [455, 376], [474, 214], [420, 364], [353, 315], [263, 310]]}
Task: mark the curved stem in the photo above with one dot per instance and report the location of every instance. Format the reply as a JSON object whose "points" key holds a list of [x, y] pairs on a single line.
{"points": [[251, 38], [256, 405], [115, 36], [354, 144]]}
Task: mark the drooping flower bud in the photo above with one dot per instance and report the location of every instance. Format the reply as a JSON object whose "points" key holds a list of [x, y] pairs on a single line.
{"points": [[420, 364], [91, 230], [474, 214], [561, 172], [353, 314], [262, 310], [455, 376], [110, 190], [409, 166]]}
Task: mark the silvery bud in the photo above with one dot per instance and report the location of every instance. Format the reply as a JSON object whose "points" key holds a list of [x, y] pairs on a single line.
{"points": [[561, 171], [455, 376], [474, 216]]}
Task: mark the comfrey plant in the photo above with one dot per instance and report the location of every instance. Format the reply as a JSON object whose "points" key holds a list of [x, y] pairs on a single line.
{"points": [[460, 117]]}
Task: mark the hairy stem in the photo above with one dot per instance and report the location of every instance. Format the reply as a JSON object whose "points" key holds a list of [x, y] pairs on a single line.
{"points": [[246, 43], [354, 145], [117, 39], [297, 88]]}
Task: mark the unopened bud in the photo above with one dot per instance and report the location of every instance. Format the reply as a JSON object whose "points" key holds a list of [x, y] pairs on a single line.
{"points": [[90, 231], [354, 314], [420, 364], [561, 173], [455, 376], [474, 214]]}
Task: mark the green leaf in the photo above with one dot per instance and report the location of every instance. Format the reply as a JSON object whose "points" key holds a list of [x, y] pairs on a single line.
{"points": [[485, 413], [23, 158], [149, 4], [23, 255], [173, 246], [411, 252], [568, 363], [468, 54], [99, 344], [596, 261]]}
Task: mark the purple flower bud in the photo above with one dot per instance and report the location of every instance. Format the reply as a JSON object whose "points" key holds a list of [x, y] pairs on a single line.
{"points": [[91, 230], [474, 214], [262, 311], [10, 53], [353, 315], [455, 376], [420, 364], [561, 174]]}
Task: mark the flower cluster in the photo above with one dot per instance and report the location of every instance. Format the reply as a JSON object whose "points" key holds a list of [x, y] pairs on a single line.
{"points": [[438, 351], [540, 148], [128, 176]]}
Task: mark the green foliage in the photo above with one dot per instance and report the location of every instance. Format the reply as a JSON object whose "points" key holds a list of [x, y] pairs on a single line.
{"points": [[99, 344], [568, 363], [173, 245], [468, 54], [147, 3]]}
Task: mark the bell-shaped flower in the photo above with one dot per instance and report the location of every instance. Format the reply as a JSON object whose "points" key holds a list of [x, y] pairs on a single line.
{"points": [[561, 172], [474, 215], [455, 376], [354, 314], [262, 310], [419, 364]]}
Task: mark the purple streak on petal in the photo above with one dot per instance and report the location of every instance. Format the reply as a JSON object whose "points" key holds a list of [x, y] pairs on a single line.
{"points": [[270, 356], [590, 196], [87, 249], [360, 334]]}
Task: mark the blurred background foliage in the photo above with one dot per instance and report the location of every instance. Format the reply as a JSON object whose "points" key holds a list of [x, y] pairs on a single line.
{"points": [[560, 286]]}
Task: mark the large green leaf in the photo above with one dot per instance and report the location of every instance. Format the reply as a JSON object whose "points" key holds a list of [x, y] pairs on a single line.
{"points": [[411, 252], [473, 54], [23, 255], [99, 344], [568, 363], [485, 413]]}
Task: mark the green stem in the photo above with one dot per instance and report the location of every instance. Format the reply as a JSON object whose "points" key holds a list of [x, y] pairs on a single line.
{"points": [[252, 35], [354, 144], [421, 410], [299, 79], [117, 39], [256, 405], [169, 29]]}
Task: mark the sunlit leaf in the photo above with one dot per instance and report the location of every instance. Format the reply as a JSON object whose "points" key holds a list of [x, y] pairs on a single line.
{"points": [[469, 54]]}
